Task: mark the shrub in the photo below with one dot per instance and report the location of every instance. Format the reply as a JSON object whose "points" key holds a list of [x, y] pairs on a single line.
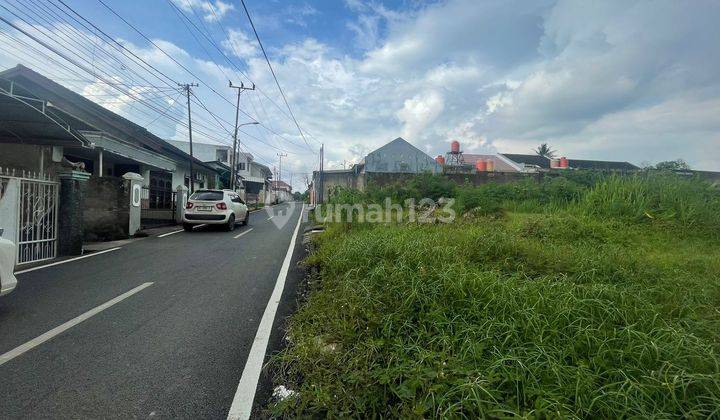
{"points": [[663, 197]]}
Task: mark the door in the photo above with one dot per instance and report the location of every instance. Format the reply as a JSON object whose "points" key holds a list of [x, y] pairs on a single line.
{"points": [[238, 207]]}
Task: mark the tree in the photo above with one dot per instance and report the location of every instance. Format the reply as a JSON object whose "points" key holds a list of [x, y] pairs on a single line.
{"points": [[545, 151], [672, 165]]}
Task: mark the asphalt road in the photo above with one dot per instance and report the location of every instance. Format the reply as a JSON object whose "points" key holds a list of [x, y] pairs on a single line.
{"points": [[175, 349]]}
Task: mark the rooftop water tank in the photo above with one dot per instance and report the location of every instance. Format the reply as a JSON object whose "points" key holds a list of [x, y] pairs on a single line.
{"points": [[455, 147], [490, 165]]}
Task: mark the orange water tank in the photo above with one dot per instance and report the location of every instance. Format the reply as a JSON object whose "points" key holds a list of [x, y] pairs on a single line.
{"points": [[455, 146], [564, 162], [490, 165], [481, 165], [440, 159]]}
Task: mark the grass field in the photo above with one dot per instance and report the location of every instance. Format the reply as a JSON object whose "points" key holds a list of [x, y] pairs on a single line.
{"points": [[602, 300]]}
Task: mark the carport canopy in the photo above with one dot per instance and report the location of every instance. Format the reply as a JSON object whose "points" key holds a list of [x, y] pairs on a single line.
{"points": [[24, 118]]}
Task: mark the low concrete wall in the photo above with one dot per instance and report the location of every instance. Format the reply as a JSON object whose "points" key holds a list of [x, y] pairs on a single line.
{"points": [[105, 209]]}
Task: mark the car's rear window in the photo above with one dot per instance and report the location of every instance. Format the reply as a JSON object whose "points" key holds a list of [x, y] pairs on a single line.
{"points": [[207, 196]]}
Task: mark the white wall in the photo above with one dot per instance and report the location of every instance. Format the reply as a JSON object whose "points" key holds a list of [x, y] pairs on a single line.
{"points": [[203, 151]]}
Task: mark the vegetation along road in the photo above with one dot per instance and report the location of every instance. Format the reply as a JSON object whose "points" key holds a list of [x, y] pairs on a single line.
{"points": [[580, 296]]}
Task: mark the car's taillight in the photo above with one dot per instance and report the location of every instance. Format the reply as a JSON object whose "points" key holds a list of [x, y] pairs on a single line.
{"points": [[221, 206], [189, 205]]}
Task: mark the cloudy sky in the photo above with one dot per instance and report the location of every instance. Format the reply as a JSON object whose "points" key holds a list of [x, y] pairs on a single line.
{"points": [[626, 80]]}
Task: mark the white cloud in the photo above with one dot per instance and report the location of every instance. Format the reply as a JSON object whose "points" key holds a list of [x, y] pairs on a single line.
{"points": [[419, 112], [210, 11], [240, 44], [608, 80]]}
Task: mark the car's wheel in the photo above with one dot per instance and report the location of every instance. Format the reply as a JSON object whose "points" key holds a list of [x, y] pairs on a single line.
{"points": [[247, 216], [188, 227], [231, 223]]}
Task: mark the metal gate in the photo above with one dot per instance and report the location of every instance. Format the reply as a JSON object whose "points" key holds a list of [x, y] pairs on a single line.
{"points": [[157, 206], [29, 209], [37, 220]]}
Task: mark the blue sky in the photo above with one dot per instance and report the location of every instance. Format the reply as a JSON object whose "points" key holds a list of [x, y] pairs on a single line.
{"points": [[619, 80]]}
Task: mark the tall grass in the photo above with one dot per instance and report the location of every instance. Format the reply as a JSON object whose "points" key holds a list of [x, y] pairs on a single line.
{"points": [[573, 307], [689, 202]]}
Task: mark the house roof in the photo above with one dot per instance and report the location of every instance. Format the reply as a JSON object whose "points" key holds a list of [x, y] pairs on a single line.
{"points": [[399, 156], [601, 165], [281, 185], [501, 165], [87, 115], [263, 168], [23, 116], [534, 160]]}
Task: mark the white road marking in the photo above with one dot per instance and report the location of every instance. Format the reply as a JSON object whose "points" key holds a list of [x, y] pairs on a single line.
{"points": [[270, 217], [67, 261], [17, 351], [245, 393], [199, 226], [241, 234], [170, 233]]}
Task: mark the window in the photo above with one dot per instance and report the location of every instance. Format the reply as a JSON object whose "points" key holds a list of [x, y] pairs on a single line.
{"points": [[241, 166], [207, 195], [221, 155]]}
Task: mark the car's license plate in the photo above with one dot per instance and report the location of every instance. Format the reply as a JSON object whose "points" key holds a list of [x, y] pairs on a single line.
{"points": [[204, 208]]}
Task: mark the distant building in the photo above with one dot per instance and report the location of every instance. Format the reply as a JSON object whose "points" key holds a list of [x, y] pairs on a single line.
{"points": [[282, 191], [206, 152], [399, 156], [501, 163], [396, 158], [601, 165]]}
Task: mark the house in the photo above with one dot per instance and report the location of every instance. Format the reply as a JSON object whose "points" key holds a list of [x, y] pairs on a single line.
{"points": [[49, 130], [601, 165], [282, 191], [536, 163], [105, 143], [500, 162], [256, 183], [527, 163], [206, 152], [399, 156], [216, 156]]}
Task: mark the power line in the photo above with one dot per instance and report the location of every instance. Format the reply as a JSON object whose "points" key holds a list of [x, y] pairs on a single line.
{"points": [[212, 42], [273, 73]]}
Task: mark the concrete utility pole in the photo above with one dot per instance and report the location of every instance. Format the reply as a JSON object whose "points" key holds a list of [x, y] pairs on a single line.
{"points": [[233, 164], [187, 88], [320, 180], [280, 155]]}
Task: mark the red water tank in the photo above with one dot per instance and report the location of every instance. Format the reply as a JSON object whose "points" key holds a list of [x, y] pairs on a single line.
{"points": [[490, 165], [481, 165], [440, 159], [564, 162], [455, 146]]}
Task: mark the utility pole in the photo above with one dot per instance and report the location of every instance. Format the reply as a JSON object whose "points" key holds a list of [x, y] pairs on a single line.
{"points": [[233, 168], [320, 181], [280, 155], [187, 88]]}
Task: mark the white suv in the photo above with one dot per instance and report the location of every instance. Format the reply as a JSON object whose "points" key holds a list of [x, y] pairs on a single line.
{"points": [[7, 266], [215, 207]]}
